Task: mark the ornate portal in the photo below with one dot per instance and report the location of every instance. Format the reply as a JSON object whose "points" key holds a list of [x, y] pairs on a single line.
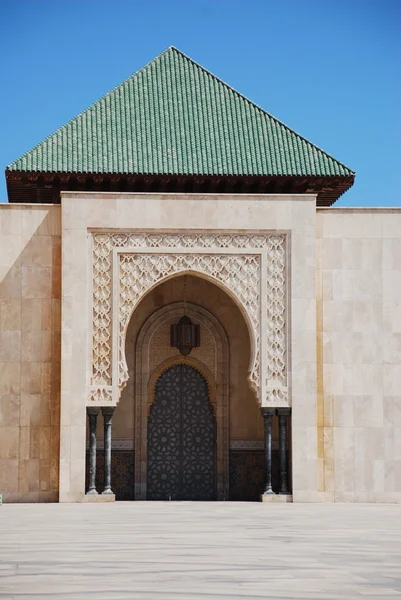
{"points": [[251, 267]]}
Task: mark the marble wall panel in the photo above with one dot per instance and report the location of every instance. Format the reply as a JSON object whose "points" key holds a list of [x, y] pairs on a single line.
{"points": [[359, 317], [30, 324]]}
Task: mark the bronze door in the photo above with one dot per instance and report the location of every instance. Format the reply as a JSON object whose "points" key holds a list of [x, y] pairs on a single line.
{"points": [[181, 438]]}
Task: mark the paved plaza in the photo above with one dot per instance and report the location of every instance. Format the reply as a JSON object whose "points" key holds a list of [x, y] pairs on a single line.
{"points": [[199, 551]]}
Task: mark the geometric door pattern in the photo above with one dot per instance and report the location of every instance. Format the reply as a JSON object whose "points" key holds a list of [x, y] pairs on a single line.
{"points": [[181, 461]]}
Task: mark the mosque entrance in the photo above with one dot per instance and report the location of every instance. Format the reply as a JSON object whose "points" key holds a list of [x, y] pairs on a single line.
{"points": [[181, 462]]}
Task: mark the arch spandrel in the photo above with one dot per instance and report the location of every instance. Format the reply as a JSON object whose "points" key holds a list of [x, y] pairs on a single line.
{"points": [[140, 273], [144, 259]]}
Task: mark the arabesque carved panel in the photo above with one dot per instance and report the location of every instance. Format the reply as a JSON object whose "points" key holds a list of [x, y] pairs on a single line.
{"points": [[138, 272]]}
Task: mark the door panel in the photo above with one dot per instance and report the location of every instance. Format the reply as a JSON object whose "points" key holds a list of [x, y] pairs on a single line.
{"points": [[181, 438]]}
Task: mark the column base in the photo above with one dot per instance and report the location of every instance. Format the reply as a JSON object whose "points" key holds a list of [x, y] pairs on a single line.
{"points": [[99, 498], [276, 498]]}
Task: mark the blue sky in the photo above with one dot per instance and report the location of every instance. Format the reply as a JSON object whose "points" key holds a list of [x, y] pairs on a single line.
{"points": [[330, 69]]}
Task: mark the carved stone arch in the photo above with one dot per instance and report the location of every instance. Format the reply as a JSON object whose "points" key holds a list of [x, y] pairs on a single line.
{"points": [[218, 383], [137, 278]]}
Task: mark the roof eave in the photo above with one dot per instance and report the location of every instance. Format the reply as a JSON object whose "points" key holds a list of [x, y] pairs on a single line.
{"points": [[24, 186]]}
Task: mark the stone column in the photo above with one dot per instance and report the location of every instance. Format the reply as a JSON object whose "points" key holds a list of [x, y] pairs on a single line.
{"points": [[283, 414], [267, 418], [92, 416], [107, 412]]}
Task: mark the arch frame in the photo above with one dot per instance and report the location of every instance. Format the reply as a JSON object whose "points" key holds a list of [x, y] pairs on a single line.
{"points": [[251, 265], [218, 385]]}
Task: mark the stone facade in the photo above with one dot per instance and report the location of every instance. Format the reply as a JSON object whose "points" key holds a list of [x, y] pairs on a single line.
{"points": [[359, 354], [299, 308], [30, 337]]}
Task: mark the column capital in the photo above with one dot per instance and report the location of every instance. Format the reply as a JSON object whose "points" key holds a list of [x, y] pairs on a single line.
{"points": [[108, 411], [93, 411], [283, 411], [268, 411]]}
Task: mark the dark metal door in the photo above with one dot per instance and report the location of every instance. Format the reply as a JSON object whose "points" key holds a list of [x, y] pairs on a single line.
{"points": [[181, 438]]}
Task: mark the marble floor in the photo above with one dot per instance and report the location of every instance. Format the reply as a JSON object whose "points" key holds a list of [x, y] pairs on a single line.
{"points": [[199, 551]]}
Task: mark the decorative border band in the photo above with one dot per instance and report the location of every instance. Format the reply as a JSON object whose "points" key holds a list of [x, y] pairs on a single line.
{"points": [[116, 444], [124, 444]]}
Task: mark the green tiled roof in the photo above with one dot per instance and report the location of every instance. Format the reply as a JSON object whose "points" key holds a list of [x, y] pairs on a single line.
{"points": [[174, 117]]}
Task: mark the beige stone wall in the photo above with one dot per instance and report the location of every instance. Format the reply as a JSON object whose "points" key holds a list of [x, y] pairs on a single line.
{"points": [[359, 354], [357, 407], [30, 324]]}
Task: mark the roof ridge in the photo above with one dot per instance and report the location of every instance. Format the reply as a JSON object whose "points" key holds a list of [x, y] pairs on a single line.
{"points": [[254, 104], [92, 105]]}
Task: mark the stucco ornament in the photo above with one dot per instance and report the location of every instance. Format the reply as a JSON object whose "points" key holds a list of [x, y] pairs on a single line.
{"points": [[243, 264]]}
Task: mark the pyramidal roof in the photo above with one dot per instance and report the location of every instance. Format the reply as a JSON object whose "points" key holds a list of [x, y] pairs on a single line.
{"points": [[174, 117]]}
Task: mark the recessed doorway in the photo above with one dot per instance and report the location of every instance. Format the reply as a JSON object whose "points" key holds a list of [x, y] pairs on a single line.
{"points": [[181, 438]]}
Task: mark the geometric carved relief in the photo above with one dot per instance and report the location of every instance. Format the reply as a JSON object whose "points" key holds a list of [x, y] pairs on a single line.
{"points": [[276, 312], [146, 258], [138, 273]]}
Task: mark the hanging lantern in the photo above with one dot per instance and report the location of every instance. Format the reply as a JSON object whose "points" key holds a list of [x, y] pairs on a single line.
{"points": [[185, 335]]}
